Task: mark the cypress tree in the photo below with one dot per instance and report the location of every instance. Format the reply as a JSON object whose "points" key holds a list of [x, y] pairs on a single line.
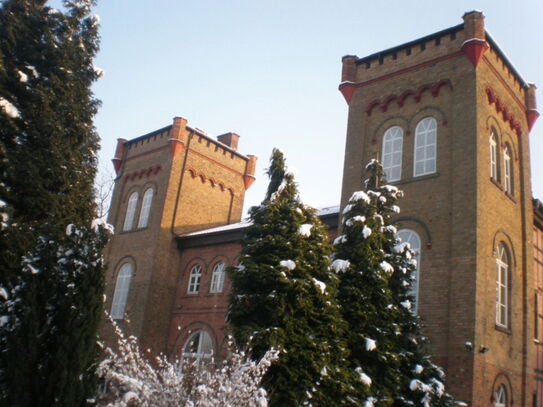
{"points": [[283, 297], [376, 270], [51, 287]]}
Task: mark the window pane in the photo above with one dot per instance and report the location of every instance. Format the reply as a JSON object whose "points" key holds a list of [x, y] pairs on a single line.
{"points": [[425, 146], [217, 280], [194, 279], [412, 238], [392, 153], [130, 211], [122, 288], [145, 208]]}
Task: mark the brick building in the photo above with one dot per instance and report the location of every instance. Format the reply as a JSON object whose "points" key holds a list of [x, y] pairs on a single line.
{"points": [[449, 117]]}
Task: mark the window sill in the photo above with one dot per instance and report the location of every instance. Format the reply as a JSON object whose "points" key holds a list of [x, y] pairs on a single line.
{"points": [[417, 178], [511, 197], [497, 183], [134, 230], [503, 329]]}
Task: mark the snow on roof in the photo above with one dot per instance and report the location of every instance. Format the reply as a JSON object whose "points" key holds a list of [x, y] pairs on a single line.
{"points": [[328, 210]]}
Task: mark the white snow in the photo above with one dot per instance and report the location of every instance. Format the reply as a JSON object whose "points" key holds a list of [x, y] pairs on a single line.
{"points": [[369, 402], [130, 396], [400, 247], [4, 293], [340, 266], [33, 69], [395, 208], [418, 369], [320, 285], [32, 269], [99, 72], [357, 218], [340, 239], [95, 19], [360, 196], [3, 320], [364, 378], [22, 76], [370, 344], [100, 222], [347, 208], [406, 304], [70, 229], [366, 232], [10, 110], [288, 264], [391, 229], [305, 229], [386, 267], [382, 199]]}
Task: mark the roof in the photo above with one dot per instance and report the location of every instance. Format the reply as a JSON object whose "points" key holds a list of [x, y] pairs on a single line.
{"points": [[234, 232]]}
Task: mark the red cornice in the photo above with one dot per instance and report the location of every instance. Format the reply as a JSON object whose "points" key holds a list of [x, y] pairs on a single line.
{"points": [[193, 173], [146, 172], [349, 87], [474, 50], [504, 83], [501, 108], [532, 116]]}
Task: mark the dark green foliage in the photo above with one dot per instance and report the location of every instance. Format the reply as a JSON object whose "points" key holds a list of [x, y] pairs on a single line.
{"points": [[375, 271], [290, 308], [48, 148]]}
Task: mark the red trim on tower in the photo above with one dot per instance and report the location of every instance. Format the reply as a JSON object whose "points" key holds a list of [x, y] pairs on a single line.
{"points": [[176, 146], [117, 164], [248, 180], [531, 116], [474, 49], [347, 90]]}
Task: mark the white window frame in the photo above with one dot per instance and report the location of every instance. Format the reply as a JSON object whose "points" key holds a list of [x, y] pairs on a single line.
{"points": [[217, 278], [502, 286], [493, 143], [507, 170], [195, 279], [426, 128], [500, 397], [204, 347], [413, 239], [145, 208], [392, 151], [130, 211], [122, 288]]}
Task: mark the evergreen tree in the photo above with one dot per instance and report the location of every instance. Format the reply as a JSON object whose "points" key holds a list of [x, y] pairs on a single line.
{"points": [[375, 271], [51, 277], [283, 297]]}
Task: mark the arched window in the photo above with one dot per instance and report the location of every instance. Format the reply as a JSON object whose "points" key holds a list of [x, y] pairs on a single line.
{"points": [[194, 279], [217, 279], [425, 147], [411, 237], [131, 211], [507, 170], [500, 397], [502, 285], [392, 153], [122, 287], [493, 156], [198, 347], [145, 208]]}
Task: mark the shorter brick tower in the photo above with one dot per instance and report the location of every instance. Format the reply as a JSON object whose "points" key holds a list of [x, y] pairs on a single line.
{"points": [[171, 181]]}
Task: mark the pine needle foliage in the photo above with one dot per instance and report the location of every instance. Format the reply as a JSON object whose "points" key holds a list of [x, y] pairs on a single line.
{"points": [[283, 297], [375, 270], [51, 275]]}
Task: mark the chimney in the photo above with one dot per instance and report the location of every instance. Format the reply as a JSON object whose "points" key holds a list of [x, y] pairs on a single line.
{"points": [[230, 139]]}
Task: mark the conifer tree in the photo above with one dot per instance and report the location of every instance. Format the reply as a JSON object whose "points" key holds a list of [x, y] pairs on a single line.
{"points": [[375, 271], [51, 277], [283, 297]]}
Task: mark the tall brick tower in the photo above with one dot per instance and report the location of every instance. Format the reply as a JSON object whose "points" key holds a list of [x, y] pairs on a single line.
{"points": [[171, 181], [449, 117]]}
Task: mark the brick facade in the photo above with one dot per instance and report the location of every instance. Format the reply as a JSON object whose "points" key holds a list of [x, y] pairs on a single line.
{"points": [[465, 215]]}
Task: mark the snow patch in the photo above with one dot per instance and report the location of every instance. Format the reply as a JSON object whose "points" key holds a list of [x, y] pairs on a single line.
{"points": [[360, 196], [406, 304], [305, 229], [9, 108], [340, 239], [96, 223], [364, 378], [354, 219], [340, 266], [386, 267], [4, 293], [99, 72], [418, 369], [288, 264], [370, 344], [366, 232], [320, 285], [22, 76], [33, 69]]}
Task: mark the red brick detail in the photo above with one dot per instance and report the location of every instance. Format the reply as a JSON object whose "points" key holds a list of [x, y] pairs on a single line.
{"points": [[347, 90], [176, 146], [213, 182], [474, 50], [502, 109], [117, 164], [248, 180], [143, 173], [531, 116], [433, 88]]}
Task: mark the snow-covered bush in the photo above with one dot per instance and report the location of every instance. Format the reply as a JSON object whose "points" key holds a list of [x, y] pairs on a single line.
{"points": [[130, 379]]}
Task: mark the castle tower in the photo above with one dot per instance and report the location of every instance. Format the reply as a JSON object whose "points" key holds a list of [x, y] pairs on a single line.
{"points": [[171, 181], [449, 117]]}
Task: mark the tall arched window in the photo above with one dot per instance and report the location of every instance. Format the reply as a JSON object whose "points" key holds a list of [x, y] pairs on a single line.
{"points": [[145, 208], [493, 156], [507, 170], [392, 153], [122, 287], [198, 347], [194, 279], [217, 279], [500, 397], [411, 237], [502, 285], [131, 211], [425, 147]]}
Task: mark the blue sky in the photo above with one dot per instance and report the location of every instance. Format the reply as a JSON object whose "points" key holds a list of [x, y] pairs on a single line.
{"points": [[269, 71]]}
